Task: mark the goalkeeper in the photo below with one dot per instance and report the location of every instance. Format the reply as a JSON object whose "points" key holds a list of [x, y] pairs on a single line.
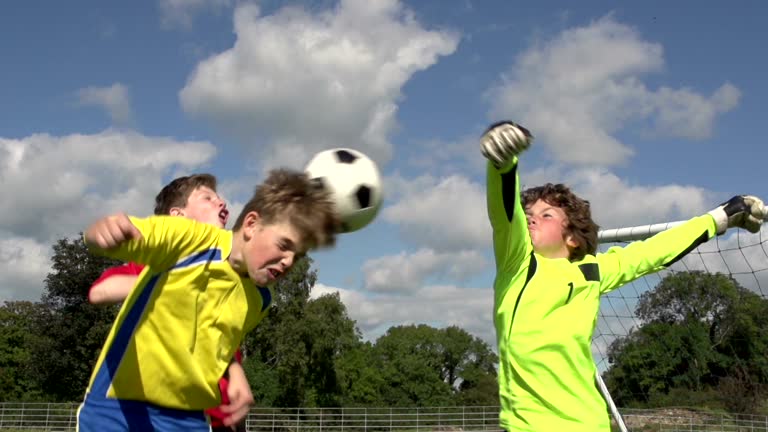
{"points": [[548, 284]]}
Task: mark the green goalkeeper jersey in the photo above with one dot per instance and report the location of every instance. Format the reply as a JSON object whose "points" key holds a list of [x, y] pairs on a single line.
{"points": [[545, 311]]}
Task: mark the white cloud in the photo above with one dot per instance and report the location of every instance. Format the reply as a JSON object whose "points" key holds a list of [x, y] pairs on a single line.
{"points": [[56, 186], [60, 184], [441, 157], [302, 81], [450, 213], [577, 90], [24, 263], [407, 272], [443, 214], [114, 99], [686, 114], [181, 13], [439, 306], [615, 202]]}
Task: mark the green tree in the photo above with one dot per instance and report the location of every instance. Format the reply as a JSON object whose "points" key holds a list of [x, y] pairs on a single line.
{"points": [[656, 359], [465, 358], [476, 371], [328, 334], [297, 346], [702, 336], [71, 331], [412, 362], [360, 377], [18, 321]]}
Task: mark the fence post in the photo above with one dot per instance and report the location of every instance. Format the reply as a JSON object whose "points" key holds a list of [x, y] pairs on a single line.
{"points": [[273, 420]]}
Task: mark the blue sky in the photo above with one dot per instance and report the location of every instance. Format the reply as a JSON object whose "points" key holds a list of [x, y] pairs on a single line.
{"points": [[653, 111]]}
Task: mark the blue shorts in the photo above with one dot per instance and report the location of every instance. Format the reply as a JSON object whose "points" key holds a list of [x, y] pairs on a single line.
{"points": [[115, 415]]}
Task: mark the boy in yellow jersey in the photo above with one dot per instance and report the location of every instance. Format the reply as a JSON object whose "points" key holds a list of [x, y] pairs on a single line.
{"points": [[195, 197], [199, 294], [548, 283]]}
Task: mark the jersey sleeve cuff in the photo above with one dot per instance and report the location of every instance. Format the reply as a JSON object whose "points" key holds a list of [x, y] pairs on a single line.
{"points": [[507, 167]]}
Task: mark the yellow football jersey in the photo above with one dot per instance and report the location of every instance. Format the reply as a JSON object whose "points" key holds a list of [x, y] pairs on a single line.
{"points": [[178, 330]]}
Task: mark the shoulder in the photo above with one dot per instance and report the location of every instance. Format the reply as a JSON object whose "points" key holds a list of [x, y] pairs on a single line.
{"points": [[177, 226]]}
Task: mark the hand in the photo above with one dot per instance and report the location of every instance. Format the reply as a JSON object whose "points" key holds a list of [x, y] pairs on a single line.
{"points": [[240, 396], [742, 211], [111, 231], [503, 141]]}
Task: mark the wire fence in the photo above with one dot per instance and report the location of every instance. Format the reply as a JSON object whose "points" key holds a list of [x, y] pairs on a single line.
{"points": [[55, 417]]}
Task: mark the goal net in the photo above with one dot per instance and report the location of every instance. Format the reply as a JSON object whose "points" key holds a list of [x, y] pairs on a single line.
{"points": [[663, 354]]}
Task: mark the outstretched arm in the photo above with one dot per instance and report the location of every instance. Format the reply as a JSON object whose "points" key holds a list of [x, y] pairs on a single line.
{"points": [[619, 265], [501, 145]]}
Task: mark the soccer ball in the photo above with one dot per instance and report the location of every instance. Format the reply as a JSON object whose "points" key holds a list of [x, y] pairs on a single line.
{"points": [[355, 185]]}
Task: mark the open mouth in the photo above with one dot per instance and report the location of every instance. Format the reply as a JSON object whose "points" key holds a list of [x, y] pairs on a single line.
{"points": [[274, 274], [224, 216]]}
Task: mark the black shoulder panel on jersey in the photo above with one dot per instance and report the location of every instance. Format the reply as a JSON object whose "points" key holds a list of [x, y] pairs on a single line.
{"points": [[508, 194], [591, 271], [702, 238]]}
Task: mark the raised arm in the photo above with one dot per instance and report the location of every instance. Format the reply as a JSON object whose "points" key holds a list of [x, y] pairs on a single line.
{"points": [[157, 241], [110, 232], [501, 144]]}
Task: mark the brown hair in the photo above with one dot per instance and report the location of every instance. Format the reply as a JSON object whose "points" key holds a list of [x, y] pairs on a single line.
{"points": [[177, 192], [580, 224], [291, 196]]}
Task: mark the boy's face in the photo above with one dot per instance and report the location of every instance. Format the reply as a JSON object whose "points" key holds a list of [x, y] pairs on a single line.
{"points": [[546, 225], [204, 205], [270, 249]]}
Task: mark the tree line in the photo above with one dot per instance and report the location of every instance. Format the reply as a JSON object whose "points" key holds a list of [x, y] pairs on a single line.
{"points": [[702, 343], [307, 352]]}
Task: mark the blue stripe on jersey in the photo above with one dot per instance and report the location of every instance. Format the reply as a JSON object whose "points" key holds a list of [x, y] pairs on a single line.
{"points": [[266, 298], [199, 258], [114, 356], [101, 415]]}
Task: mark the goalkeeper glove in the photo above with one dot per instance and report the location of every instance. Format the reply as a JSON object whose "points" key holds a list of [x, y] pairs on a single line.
{"points": [[503, 141], [742, 211]]}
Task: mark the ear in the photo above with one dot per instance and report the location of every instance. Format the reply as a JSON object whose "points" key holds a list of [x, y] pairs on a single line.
{"points": [[571, 242], [251, 224], [176, 211]]}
